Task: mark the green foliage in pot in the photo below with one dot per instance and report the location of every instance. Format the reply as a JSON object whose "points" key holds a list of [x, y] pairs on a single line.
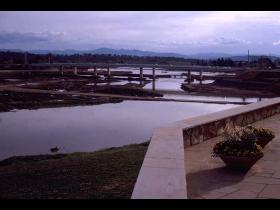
{"points": [[239, 142], [262, 134]]}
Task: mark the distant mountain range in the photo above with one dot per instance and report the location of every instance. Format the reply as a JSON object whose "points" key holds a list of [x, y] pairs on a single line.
{"points": [[134, 52]]}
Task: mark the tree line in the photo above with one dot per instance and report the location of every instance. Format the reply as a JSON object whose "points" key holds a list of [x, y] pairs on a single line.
{"points": [[13, 58]]}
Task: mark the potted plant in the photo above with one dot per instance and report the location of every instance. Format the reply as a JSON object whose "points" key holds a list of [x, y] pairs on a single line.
{"points": [[239, 149], [263, 135]]}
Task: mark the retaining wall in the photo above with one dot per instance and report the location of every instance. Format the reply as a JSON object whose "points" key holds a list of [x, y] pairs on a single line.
{"points": [[162, 175]]}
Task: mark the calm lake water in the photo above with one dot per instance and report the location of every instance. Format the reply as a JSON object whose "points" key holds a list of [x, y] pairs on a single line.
{"points": [[174, 85], [89, 128]]}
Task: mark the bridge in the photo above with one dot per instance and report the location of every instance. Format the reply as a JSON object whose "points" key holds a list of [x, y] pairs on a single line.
{"points": [[85, 67], [92, 69], [161, 66]]}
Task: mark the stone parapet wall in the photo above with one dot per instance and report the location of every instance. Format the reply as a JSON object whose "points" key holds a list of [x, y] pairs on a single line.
{"points": [[162, 175], [215, 127]]}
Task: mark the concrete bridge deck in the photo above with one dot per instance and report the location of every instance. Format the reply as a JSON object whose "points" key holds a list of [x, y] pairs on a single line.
{"points": [[207, 177], [143, 65]]}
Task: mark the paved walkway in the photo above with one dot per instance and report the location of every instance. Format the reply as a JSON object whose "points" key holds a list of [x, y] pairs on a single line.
{"points": [[208, 178]]}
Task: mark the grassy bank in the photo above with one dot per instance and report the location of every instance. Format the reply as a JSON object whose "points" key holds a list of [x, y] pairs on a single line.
{"points": [[109, 173]]}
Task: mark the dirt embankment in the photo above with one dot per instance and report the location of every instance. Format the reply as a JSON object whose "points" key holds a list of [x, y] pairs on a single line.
{"points": [[15, 100], [265, 76], [80, 84], [109, 173], [129, 90], [212, 90], [248, 84]]}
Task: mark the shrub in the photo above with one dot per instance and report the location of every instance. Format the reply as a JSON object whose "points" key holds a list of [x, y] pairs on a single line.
{"points": [[262, 134], [239, 142]]}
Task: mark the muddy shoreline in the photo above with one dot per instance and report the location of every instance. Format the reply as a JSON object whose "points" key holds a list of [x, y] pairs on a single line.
{"points": [[10, 100], [15, 100], [247, 84], [244, 85], [216, 90]]}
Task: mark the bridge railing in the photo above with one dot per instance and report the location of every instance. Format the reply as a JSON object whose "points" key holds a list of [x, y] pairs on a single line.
{"points": [[150, 66]]}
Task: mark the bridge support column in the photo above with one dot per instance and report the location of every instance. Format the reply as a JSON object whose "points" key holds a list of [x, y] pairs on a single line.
{"points": [[189, 76], [141, 73], [61, 70], [154, 73], [95, 71], [154, 85], [200, 77], [108, 71], [75, 71]]}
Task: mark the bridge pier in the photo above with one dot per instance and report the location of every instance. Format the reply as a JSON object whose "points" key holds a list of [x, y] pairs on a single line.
{"points": [[95, 71], [189, 76], [108, 71], [75, 71], [154, 85], [154, 73], [200, 77], [141, 73], [61, 70]]}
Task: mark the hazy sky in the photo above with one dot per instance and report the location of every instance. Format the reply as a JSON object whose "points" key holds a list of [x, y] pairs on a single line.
{"points": [[181, 32]]}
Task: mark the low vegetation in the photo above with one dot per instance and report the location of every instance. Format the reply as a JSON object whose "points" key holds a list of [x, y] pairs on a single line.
{"points": [[108, 173], [240, 142], [263, 135]]}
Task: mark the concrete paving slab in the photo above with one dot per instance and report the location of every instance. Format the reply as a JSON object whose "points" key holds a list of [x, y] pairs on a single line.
{"points": [[207, 177], [271, 191], [240, 194]]}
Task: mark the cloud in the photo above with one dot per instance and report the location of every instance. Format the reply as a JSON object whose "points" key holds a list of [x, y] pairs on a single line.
{"points": [[276, 43], [229, 41], [17, 37], [177, 31]]}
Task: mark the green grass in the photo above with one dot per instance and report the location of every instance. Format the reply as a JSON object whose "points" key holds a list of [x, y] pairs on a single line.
{"points": [[109, 173]]}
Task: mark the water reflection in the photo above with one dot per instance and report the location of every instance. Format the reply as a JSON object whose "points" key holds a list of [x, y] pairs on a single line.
{"points": [[171, 88], [88, 128], [182, 95]]}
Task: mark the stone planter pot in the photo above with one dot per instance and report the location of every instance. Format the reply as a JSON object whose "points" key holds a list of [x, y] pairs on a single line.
{"points": [[240, 163]]}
